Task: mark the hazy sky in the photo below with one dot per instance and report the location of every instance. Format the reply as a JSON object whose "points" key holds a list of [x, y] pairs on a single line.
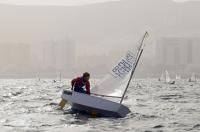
{"points": [[58, 2], [52, 2]]}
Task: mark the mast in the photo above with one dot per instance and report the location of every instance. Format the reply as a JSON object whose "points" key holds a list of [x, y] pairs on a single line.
{"points": [[60, 77], [135, 65]]}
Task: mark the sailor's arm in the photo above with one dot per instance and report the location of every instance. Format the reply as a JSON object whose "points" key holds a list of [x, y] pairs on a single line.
{"points": [[88, 87], [73, 82]]}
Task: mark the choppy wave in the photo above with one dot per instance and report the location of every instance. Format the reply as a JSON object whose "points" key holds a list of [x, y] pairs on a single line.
{"points": [[30, 105]]}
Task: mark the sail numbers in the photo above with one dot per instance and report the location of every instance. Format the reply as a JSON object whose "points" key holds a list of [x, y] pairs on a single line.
{"points": [[125, 65]]}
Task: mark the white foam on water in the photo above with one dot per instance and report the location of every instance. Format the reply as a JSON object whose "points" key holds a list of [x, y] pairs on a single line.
{"points": [[155, 106]]}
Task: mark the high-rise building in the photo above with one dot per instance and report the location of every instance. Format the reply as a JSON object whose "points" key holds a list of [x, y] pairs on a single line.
{"points": [[14, 57], [59, 56], [179, 52]]}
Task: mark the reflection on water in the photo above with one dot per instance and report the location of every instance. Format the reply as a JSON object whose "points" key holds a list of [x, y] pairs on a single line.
{"points": [[30, 105]]}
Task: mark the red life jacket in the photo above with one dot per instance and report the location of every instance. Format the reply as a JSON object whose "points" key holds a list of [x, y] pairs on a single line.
{"points": [[79, 83]]}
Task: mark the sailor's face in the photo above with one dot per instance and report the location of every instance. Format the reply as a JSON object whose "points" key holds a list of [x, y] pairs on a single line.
{"points": [[86, 79]]}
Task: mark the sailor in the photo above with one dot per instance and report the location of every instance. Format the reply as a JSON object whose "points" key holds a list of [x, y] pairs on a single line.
{"points": [[79, 83]]}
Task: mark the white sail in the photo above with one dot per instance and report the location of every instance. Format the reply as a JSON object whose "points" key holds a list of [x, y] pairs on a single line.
{"points": [[178, 77], [167, 77], [38, 77], [60, 77], [193, 78], [162, 78], [115, 82]]}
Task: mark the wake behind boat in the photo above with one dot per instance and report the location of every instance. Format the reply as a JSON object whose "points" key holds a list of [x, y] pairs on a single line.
{"points": [[118, 79]]}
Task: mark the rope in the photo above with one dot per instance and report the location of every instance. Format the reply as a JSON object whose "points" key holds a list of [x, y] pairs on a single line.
{"points": [[102, 95], [105, 95]]}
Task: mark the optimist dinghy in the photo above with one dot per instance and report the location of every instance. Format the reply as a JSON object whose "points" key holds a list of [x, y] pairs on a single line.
{"points": [[168, 79], [94, 105], [103, 103], [192, 78]]}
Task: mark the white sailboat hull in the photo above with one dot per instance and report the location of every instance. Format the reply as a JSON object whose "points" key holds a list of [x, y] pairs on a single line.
{"points": [[94, 105]]}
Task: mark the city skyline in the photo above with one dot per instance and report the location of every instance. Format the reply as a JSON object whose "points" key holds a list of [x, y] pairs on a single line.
{"points": [[101, 33]]}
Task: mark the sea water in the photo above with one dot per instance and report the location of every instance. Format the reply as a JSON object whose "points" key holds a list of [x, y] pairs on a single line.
{"points": [[29, 105]]}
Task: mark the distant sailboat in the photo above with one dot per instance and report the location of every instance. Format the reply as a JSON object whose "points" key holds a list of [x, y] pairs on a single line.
{"points": [[38, 77], [166, 78], [193, 78], [58, 79], [162, 78], [178, 77]]}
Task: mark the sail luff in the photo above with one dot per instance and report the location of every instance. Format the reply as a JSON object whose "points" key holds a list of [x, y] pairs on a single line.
{"points": [[135, 65]]}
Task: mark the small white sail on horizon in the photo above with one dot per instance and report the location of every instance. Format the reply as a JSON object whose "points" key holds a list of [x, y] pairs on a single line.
{"points": [[162, 78], [193, 78], [38, 77], [167, 77], [58, 78], [178, 77]]}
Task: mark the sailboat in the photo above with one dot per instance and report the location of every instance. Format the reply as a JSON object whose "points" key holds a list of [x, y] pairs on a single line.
{"points": [[38, 77], [102, 102], [60, 76], [166, 78], [178, 77], [162, 78], [58, 80], [193, 78]]}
